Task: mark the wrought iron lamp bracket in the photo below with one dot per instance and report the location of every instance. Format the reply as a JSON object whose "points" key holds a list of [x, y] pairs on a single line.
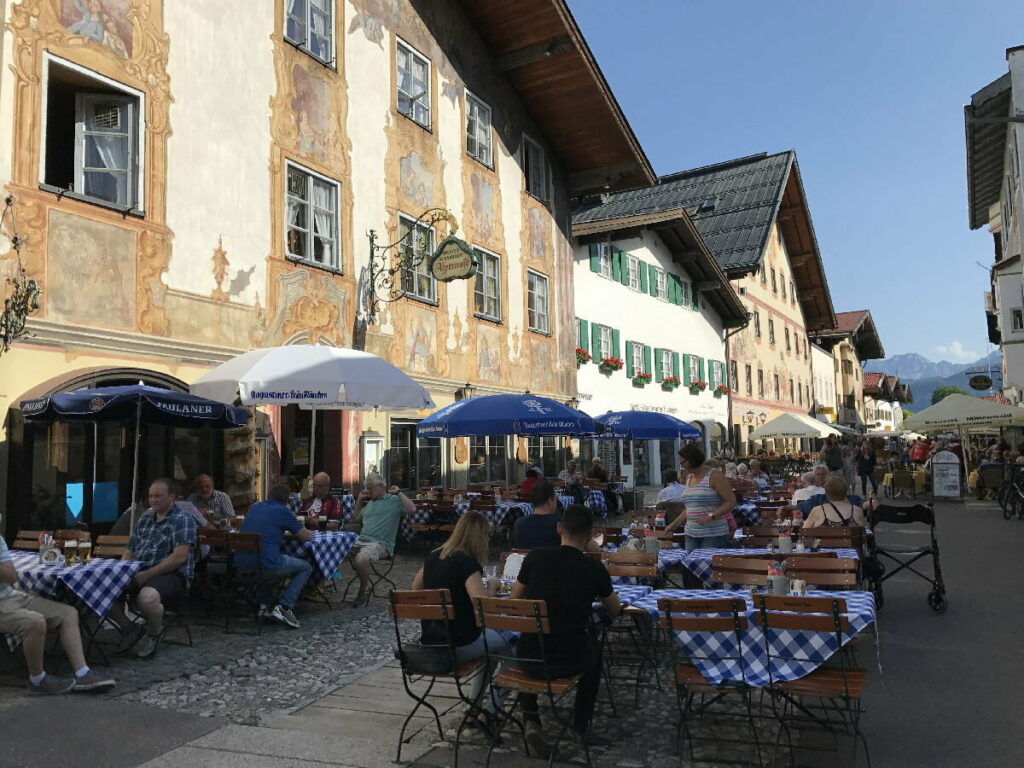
{"points": [[23, 292]]}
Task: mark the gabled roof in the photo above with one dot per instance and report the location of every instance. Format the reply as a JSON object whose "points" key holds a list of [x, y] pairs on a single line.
{"points": [[541, 50], [859, 327], [999, 397], [677, 231], [986, 147], [733, 205], [873, 380]]}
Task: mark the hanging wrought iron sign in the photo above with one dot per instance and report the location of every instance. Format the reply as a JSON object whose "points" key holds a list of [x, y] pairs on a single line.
{"points": [[453, 260], [980, 382]]}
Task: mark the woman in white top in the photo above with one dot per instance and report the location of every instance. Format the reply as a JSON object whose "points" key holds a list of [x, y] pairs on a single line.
{"points": [[673, 489]]}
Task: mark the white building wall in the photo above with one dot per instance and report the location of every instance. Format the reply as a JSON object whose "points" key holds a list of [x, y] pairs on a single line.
{"points": [[217, 155], [657, 323], [823, 373]]}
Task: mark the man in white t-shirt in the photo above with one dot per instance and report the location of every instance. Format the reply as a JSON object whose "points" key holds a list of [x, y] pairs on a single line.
{"points": [[811, 488]]}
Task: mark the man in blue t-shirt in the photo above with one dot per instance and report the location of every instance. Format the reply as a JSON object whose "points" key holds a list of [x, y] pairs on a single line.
{"points": [[541, 528], [272, 519]]}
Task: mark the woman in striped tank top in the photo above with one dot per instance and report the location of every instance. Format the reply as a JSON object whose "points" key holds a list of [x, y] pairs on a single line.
{"points": [[707, 498]]}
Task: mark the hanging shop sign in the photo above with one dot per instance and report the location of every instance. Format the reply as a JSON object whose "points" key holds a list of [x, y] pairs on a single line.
{"points": [[980, 382], [453, 260]]}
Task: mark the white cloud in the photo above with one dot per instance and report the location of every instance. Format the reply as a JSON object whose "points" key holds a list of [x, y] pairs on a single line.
{"points": [[956, 353]]}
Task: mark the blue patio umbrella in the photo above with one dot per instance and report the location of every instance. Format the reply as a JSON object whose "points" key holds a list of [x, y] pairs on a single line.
{"points": [[645, 425], [153, 405], [506, 415]]}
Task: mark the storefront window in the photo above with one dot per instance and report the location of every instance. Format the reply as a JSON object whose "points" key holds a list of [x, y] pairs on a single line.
{"points": [[488, 459], [543, 452]]}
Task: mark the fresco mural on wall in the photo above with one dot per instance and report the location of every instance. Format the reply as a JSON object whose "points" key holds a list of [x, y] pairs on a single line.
{"points": [[539, 223], [310, 305], [420, 343], [415, 180], [90, 273], [483, 207], [100, 21], [489, 350], [311, 106]]}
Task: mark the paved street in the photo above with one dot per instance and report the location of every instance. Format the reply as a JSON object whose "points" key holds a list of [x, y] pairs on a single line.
{"points": [[330, 694]]}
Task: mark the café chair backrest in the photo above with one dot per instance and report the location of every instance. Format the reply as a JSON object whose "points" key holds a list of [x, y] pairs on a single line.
{"points": [[506, 615], [698, 615], [826, 579], [801, 614], [212, 537], [110, 546], [28, 539], [835, 536], [422, 604], [71, 534], [822, 562], [632, 557], [244, 542], [747, 571], [628, 571]]}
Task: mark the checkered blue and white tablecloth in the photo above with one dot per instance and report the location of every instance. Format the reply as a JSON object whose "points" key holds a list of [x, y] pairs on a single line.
{"points": [[802, 652], [698, 562], [328, 549], [98, 583], [747, 514], [630, 594]]}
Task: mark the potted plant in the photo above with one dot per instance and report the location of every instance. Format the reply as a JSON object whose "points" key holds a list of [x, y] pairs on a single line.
{"points": [[696, 385], [670, 382], [582, 356], [642, 378], [611, 364], [722, 389]]}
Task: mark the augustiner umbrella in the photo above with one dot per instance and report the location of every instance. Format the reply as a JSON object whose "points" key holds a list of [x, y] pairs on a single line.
{"points": [[964, 411], [507, 415], [645, 425], [792, 425]]}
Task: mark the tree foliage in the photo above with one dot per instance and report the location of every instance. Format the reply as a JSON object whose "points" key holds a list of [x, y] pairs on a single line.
{"points": [[945, 391]]}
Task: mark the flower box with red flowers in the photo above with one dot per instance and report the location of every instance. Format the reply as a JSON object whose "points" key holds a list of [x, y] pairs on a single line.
{"points": [[670, 382], [642, 378], [582, 356], [611, 363], [696, 385], [722, 389]]}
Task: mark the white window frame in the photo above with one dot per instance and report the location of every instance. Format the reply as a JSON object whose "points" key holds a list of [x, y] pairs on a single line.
{"points": [[606, 342], [137, 186], [304, 44], [604, 258], [633, 270], [484, 256], [534, 314], [313, 177], [408, 249], [661, 283], [1017, 319], [422, 100], [665, 361], [478, 130], [638, 358], [535, 169], [685, 297]]}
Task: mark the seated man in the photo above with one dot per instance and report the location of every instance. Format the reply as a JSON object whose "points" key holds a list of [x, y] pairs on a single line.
{"points": [[272, 519], [569, 582], [573, 481], [28, 617], [809, 489], [208, 499], [321, 503], [162, 541], [379, 509], [821, 498], [541, 528]]}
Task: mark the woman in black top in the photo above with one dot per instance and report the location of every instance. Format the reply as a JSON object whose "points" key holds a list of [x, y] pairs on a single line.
{"points": [[455, 566], [865, 460]]}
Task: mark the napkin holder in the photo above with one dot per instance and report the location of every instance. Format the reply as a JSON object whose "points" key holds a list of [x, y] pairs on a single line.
{"points": [[50, 556]]}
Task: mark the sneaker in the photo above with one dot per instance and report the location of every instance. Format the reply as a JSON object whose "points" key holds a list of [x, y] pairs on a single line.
{"points": [[263, 614], [536, 742], [50, 685], [92, 682], [285, 616], [148, 645]]}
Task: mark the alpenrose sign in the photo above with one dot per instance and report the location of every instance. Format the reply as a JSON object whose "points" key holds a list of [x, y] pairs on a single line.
{"points": [[453, 260]]}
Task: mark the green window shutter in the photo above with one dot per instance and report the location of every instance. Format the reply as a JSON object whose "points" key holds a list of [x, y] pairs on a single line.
{"points": [[659, 375], [616, 264], [652, 279], [583, 334], [595, 257], [629, 360], [624, 273], [675, 364], [694, 296], [712, 373], [615, 343], [677, 289], [687, 369], [647, 359], [700, 369], [641, 269], [595, 341]]}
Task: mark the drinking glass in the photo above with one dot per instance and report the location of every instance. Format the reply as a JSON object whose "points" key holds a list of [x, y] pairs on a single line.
{"points": [[70, 551], [84, 551], [490, 572], [599, 539]]}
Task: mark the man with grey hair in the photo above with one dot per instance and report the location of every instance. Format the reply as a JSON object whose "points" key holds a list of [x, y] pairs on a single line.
{"points": [[820, 471], [811, 488], [380, 510], [208, 499]]}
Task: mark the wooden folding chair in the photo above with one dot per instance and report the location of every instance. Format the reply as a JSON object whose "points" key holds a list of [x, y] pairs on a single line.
{"points": [[110, 546], [759, 535], [745, 571], [28, 539]]}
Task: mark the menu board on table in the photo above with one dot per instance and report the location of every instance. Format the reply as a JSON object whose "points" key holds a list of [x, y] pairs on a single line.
{"points": [[946, 474]]}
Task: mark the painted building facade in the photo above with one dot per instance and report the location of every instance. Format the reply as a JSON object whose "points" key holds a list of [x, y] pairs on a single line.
{"points": [[995, 196], [852, 341], [823, 388], [182, 196], [648, 294]]}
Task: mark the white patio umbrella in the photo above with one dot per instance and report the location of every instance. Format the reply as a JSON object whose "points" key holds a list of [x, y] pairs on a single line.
{"points": [[963, 411], [792, 425], [313, 376]]}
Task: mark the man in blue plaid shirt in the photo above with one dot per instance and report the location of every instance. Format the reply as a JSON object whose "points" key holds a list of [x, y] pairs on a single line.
{"points": [[162, 541]]}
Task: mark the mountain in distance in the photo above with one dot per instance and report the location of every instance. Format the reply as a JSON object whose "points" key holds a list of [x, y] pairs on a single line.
{"points": [[924, 376], [914, 366]]}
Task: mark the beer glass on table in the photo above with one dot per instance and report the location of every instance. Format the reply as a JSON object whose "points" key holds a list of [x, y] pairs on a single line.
{"points": [[84, 551], [70, 551]]}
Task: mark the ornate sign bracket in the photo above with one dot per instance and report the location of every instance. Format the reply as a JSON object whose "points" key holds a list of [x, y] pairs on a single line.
{"points": [[22, 298]]}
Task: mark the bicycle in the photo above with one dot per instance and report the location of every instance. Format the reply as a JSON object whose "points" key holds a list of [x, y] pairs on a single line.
{"points": [[1011, 495]]}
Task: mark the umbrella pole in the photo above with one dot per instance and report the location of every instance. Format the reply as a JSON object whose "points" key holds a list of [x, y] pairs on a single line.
{"points": [[312, 441], [135, 463]]}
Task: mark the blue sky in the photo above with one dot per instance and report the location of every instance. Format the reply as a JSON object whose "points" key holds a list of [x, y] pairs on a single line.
{"points": [[870, 94]]}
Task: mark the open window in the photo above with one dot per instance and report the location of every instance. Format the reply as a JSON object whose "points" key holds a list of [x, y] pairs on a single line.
{"points": [[92, 138]]}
